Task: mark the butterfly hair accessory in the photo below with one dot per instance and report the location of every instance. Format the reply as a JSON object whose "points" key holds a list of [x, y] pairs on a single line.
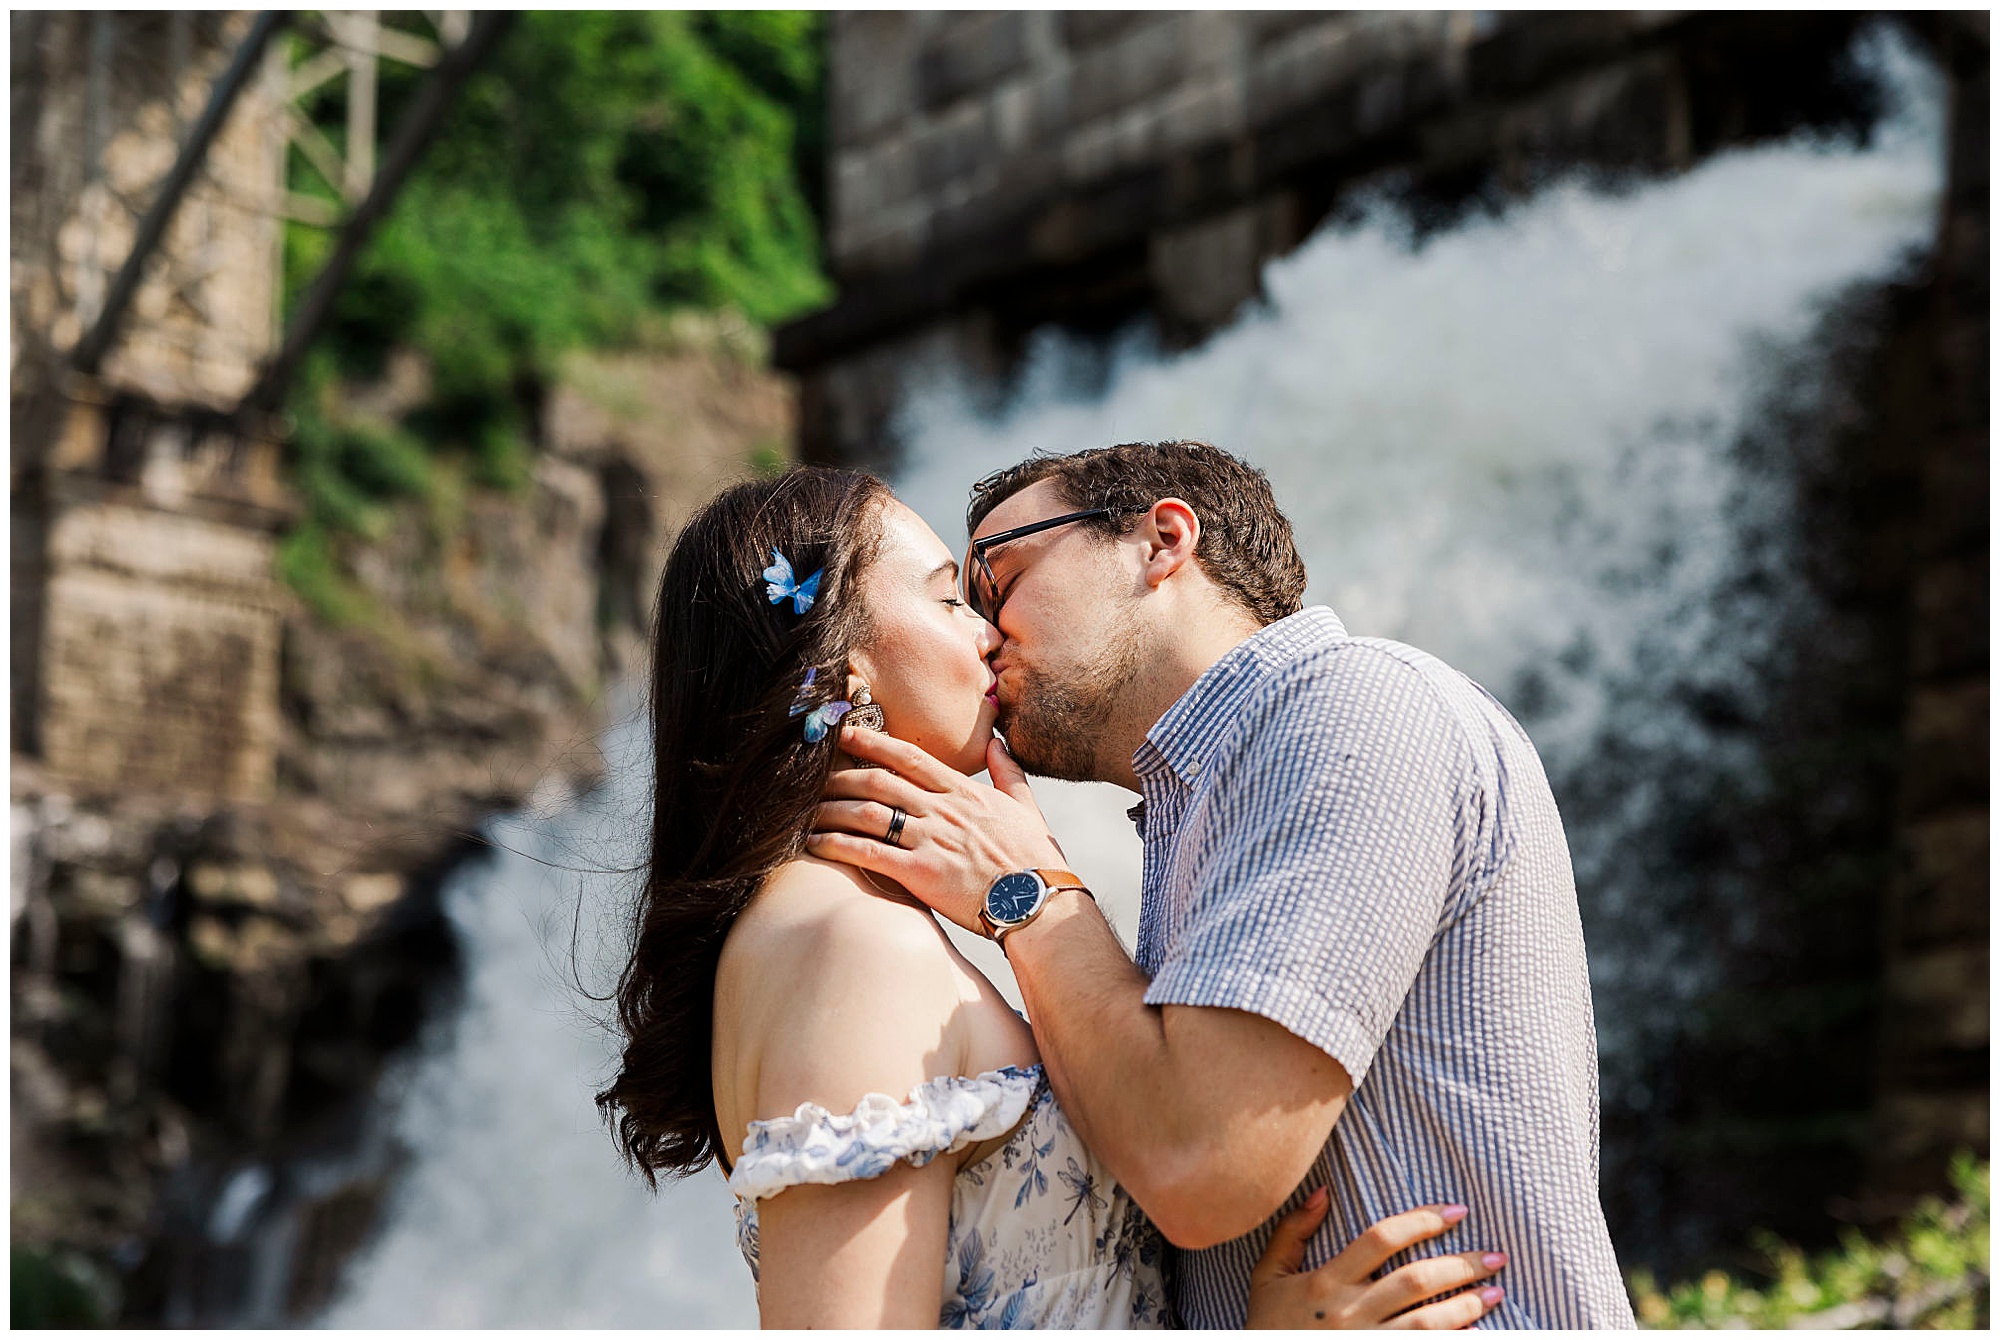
{"points": [[780, 586], [823, 719], [805, 692]]}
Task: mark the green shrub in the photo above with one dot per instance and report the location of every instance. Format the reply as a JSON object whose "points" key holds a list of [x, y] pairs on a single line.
{"points": [[1931, 1271], [53, 1289], [309, 564], [602, 171]]}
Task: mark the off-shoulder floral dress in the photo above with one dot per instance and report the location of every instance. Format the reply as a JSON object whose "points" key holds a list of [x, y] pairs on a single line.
{"points": [[1041, 1236]]}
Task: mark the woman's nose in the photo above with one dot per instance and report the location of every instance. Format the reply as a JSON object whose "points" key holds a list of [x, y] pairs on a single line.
{"points": [[989, 639]]}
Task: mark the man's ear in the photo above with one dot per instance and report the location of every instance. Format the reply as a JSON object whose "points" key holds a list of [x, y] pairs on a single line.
{"points": [[1168, 535]]}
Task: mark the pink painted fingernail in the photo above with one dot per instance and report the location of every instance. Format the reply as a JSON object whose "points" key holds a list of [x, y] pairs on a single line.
{"points": [[1493, 1260], [1451, 1214], [1492, 1295], [1316, 1199]]}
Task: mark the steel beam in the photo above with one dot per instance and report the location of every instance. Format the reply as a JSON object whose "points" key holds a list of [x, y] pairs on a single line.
{"points": [[414, 132]]}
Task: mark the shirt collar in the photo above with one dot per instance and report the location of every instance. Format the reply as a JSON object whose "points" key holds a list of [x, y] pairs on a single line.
{"points": [[1181, 741]]}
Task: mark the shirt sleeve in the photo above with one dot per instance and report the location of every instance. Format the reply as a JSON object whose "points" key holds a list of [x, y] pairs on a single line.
{"points": [[1330, 836]]}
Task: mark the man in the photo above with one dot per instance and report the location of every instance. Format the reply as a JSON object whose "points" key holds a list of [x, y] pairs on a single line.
{"points": [[1360, 963]]}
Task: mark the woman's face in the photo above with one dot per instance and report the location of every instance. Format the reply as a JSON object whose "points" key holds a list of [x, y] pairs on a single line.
{"points": [[926, 663]]}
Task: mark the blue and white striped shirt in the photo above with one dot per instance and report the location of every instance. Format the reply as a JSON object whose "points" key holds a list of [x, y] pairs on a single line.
{"points": [[1349, 837]]}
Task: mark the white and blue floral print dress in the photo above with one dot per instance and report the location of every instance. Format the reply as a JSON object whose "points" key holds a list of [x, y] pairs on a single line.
{"points": [[1040, 1234]]}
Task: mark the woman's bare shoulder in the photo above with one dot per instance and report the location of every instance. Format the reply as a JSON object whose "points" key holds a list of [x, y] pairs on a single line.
{"points": [[837, 992]]}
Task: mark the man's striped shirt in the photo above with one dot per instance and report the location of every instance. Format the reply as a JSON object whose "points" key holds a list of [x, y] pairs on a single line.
{"points": [[1349, 837]]}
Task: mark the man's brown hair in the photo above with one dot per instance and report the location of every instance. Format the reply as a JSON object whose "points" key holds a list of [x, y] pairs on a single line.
{"points": [[1246, 545]]}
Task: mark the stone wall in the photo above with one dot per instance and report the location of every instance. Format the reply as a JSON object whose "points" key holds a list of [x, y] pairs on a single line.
{"points": [[166, 621], [149, 657], [941, 121], [84, 166], [1936, 1045], [144, 614], [993, 172]]}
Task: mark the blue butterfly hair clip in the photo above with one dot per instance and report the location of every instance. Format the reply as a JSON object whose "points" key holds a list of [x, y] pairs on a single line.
{"points": [[820, 720], [823, 719], [805, 691], [780, 586]]}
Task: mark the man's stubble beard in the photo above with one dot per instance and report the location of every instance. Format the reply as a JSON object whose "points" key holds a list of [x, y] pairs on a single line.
{"points": [[1057, 723]]}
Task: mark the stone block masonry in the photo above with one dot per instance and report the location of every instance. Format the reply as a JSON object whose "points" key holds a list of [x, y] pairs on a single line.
{"points": [[146, 617], [84, 165], [160, 654]]}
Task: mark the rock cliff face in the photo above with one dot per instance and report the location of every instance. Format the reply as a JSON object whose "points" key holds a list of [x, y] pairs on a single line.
{"points": [[230, 819], [197, 983]]}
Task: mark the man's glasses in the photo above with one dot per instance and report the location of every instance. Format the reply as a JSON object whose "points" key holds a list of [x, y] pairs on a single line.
{"points": [[982, 592]]}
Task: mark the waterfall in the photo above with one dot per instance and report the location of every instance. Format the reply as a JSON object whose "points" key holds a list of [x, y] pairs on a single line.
{"points": [[514, 1209], [1514, 444], [1517, 444]]}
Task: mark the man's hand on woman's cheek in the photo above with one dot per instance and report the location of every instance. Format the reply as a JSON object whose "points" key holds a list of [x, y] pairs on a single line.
{"points": [[958, 835]]}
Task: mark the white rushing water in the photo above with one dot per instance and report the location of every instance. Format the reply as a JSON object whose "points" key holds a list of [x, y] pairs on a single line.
{"points": [[1511, 446], [515, 1210]]}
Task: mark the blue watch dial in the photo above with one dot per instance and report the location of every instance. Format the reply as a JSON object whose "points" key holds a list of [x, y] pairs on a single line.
{"points": [[1013, 897]]}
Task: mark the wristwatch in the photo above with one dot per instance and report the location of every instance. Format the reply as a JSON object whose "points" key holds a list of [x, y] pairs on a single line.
{"points": [[1016, 899]]}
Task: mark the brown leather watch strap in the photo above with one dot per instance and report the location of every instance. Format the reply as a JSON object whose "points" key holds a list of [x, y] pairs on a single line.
{"points": [[1064, 879]]}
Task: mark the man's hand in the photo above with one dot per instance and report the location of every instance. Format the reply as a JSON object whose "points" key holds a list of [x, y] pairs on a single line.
{"points": [[959, 835]]}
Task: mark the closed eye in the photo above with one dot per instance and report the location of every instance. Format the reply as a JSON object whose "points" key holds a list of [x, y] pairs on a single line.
{"points": [[946, 574]]}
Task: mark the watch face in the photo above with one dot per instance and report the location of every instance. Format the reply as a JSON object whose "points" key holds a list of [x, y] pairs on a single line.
{"points": [[1013, 897]]}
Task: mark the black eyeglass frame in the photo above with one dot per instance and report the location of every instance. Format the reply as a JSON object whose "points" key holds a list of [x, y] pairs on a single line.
{"points": [[975, 557]]}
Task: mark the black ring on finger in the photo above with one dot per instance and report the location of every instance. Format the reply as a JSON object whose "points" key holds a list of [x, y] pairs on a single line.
{"points": [[896, 820]]}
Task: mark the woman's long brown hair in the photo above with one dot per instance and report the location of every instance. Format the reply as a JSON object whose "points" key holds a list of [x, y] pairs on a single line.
{"points": [[735, 782]]}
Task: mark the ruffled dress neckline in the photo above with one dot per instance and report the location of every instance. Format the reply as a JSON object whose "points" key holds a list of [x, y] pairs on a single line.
{"points": [[941, 1116], [1041, 1235]]}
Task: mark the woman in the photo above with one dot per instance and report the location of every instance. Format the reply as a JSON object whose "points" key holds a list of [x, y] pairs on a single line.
{"points": [[775, 1001]]}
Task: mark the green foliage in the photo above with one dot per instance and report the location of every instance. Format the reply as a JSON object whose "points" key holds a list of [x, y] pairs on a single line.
{"points": [[769, 458], [57, 1290], [602, 171], [307, 563], [1931, 1272]]}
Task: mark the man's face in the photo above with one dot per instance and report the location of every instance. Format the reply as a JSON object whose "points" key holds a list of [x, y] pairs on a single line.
{"points": [[1070, 634]]}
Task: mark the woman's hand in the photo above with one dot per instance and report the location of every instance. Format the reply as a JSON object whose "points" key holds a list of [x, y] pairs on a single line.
{"points": [[1344, 1293]]}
